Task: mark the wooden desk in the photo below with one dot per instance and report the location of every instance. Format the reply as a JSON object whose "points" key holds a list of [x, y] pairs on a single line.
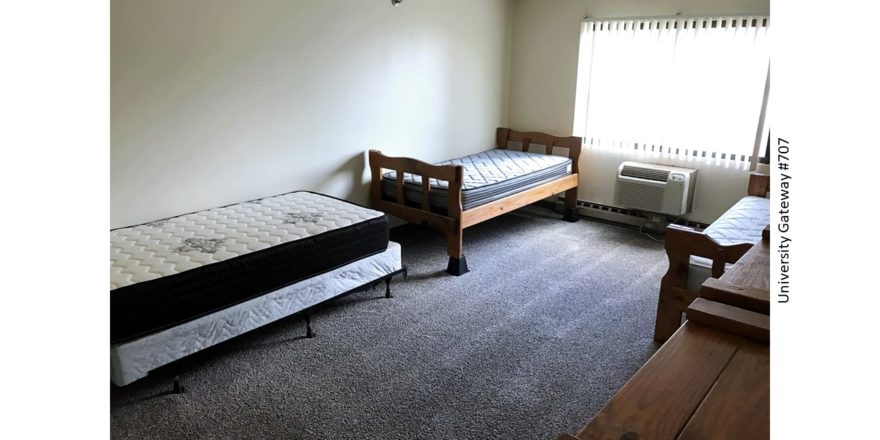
{"points": [[752, 269], [704, 383], [711, 379], [746, 284]]}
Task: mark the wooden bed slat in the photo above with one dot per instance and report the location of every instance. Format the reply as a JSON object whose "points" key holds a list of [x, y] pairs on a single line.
{"points": [[400, 180], [426, 193]]}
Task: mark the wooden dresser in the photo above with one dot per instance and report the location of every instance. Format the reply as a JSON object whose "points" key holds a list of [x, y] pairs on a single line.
{"points": [[711, 379]]}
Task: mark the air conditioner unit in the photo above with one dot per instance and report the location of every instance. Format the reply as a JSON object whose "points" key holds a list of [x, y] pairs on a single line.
{"points": [[655, 188]]}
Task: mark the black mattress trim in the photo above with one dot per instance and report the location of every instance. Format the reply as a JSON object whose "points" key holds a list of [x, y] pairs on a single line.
{"points": [[475, 197], [386, 177]]}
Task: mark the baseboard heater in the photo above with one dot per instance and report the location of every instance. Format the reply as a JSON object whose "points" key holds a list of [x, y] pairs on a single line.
{"points": [[616, 214]]}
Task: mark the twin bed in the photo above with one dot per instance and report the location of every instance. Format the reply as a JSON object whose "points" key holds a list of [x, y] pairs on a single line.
{"points": [[186, 283], [462, 192], [695, 256]]}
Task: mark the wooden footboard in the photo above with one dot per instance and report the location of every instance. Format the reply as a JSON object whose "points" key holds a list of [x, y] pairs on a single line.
{"points": [[450, 224], [681, 243], [453, 222]]}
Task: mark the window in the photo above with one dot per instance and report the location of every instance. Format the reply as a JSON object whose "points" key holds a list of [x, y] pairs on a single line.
{"points": [[684, 87]]}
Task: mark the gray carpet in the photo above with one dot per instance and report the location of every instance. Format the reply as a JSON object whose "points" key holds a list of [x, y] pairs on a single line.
{"points": [[553, 318]]}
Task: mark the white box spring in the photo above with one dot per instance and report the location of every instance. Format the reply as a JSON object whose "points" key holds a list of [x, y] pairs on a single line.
{"points": [[133, 360]]}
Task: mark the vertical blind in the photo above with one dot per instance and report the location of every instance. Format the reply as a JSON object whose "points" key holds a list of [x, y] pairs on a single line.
{"points": [[682, 87]]}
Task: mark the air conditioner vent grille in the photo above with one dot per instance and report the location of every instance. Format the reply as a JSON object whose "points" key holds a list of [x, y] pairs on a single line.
{"points": [[639, 196], [645, 173]]}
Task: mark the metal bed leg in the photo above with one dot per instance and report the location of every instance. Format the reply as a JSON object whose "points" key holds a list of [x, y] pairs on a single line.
{"points": [[388, 287], [176, 387], [309, 333]]}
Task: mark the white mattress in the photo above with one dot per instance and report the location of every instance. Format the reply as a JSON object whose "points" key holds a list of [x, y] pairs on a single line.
{"points": [[133, 360], [167, 247], [742, 223]]}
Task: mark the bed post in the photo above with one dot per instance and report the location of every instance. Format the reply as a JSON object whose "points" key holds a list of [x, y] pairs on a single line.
{"points": [[457, 262], [388, 288], [373, 158], [759, 184], [571, 196], [501, 136]]}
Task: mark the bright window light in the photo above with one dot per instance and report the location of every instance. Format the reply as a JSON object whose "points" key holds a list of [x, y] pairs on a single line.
{"points": [[684, 87]]}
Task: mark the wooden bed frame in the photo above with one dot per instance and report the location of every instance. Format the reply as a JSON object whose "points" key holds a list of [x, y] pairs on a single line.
{"points": [[681, 243], [456, 219]]}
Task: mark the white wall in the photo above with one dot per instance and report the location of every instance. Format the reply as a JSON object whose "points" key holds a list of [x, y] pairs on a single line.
{"points": [[543, 74], [216, 102]]}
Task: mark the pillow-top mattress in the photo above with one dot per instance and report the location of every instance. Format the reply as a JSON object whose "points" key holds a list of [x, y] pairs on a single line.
{"points": [[488, 176], [174, 270]]}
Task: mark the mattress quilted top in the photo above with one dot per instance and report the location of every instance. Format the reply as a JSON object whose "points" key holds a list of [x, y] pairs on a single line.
{"points": [[491, 167], [742, 223], [166, 247]]}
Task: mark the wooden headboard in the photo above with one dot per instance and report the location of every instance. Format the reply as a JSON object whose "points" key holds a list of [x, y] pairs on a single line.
{"points": [[759, 184], [503, 136]]}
